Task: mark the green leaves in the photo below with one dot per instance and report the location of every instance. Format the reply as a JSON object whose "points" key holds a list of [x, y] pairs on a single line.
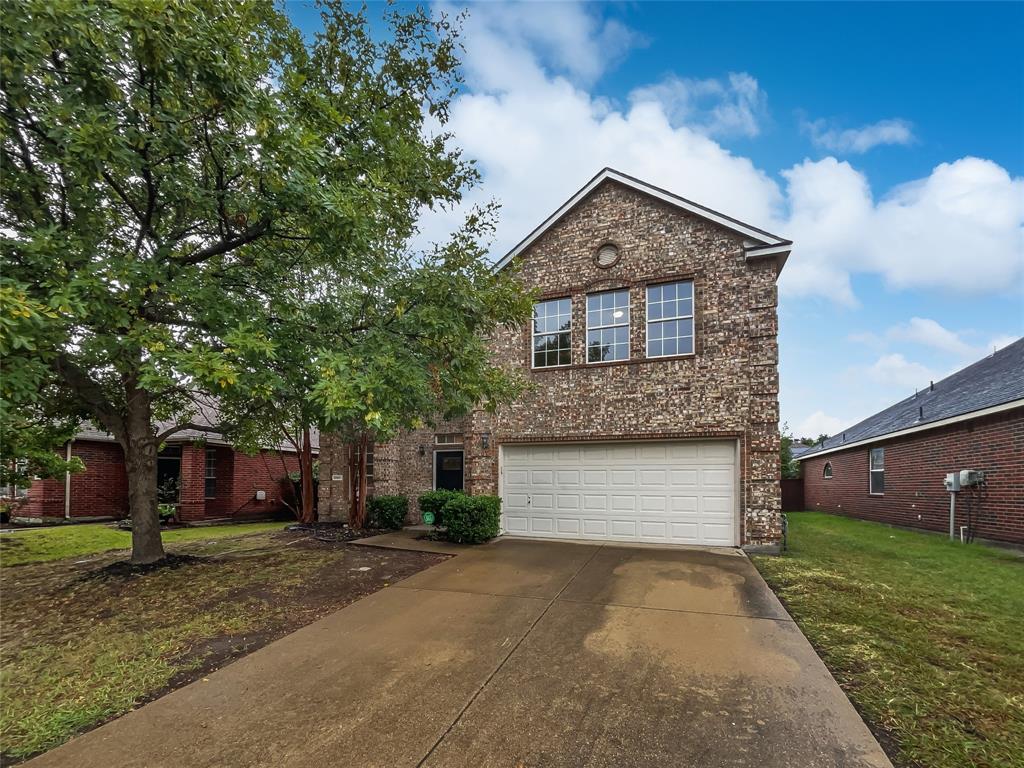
{"points": [[197, 202]]}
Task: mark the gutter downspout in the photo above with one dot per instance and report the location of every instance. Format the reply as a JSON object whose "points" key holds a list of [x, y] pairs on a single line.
{"points": [[67, 484]]}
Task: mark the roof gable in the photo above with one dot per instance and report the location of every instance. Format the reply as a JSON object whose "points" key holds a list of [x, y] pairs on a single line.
{"points": [[758, 243]]}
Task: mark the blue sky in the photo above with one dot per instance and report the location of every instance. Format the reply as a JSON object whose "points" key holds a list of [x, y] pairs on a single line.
{"points": [[885, 139]]}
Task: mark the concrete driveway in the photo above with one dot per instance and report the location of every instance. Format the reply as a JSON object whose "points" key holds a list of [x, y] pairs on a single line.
{"points": [[521, 654]]}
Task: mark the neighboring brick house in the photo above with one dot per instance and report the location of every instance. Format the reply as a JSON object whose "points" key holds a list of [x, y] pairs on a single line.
{"points": [[652, 408], [890, 467], [205, 477]]}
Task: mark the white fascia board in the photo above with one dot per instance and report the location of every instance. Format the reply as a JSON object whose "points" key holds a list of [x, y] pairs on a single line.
{"points": [[759, 236], [759, 251], [920, 428]]}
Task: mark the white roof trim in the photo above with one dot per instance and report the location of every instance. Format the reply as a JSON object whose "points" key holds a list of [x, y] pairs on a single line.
{"points": [[757, 251], [761, 238], [921, 428]]}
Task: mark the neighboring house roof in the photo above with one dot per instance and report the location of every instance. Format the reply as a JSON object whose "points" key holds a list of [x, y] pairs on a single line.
{"points": [[759, 244], [798, 449], [89, 432], [991, 385]]}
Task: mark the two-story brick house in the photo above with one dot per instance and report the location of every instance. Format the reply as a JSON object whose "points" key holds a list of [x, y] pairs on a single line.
{"points": [[652, 411]]}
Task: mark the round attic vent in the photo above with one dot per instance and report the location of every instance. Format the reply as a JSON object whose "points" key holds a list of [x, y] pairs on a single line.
{"points": [[607, 255]]}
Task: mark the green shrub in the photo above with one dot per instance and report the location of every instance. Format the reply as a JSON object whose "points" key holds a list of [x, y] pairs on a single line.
{"points": [[388, 511], [434, 501], [166, 512], [472, 519]]}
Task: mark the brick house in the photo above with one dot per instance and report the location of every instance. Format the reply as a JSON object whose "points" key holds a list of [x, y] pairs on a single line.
{"points": [[198, 472], [890, 467], [652, 408]]}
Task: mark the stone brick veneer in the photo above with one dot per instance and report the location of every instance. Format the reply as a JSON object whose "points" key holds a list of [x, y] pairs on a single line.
{"points": [[727, 389], [914, 468]]}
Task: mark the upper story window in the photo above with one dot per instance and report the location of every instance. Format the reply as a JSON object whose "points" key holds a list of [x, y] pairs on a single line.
{"points": [[608, 326], [670, 319], [876, 483], [369, 461], [827, 471], [552, 333]]}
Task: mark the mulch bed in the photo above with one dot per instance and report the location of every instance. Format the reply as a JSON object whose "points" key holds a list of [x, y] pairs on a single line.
{"points": [[335, 531], [287, 579]]}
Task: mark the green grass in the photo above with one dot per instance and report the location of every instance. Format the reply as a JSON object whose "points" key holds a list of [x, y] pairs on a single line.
{"points": [[926, 636], [59, 542], [81, 643]]}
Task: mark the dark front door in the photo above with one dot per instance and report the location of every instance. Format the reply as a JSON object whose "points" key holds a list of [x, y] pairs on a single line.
{"points": [[448, 470]]}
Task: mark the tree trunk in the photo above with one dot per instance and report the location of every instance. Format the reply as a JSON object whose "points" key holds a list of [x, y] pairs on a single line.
{"points": [[140, 449], [362, 479], [357, 515], [306, 476]]}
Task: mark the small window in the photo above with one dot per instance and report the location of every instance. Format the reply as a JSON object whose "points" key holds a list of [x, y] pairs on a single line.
{"points": [[451, 438], [13, 491], [608, 326], [827, 471], [877, 471], [210, 478], [670, 319], [369, 461], [552, 333]]}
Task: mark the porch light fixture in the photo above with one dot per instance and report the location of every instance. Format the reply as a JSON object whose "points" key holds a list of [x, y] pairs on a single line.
{"points": [[422, 450], [485, 440]]}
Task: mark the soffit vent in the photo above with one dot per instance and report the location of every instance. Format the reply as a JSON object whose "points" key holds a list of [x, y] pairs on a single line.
{"points": [[607, 255]]}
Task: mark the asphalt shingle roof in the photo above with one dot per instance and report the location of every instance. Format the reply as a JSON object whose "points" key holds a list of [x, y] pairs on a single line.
{"points": [[993, 380]]}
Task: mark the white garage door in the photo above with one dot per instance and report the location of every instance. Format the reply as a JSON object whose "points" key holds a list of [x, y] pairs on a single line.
{"points": [[665, 492]]}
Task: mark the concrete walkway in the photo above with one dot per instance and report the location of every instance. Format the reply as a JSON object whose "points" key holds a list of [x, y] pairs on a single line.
{"points": [[520, 654]]}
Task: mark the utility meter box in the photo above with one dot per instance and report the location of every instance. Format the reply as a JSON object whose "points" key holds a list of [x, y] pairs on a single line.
{"points": [[970, 477], [952, 482]]}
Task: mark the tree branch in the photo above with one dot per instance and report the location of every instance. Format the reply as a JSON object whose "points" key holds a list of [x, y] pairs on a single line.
{"points": [[226, 246]]}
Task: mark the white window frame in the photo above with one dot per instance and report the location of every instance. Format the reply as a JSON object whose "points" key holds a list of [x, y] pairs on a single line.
{"points": [[690, 317], [624, 324], [826, 471], [210, 471], [872, 470], [534, 334], [448, 438]]}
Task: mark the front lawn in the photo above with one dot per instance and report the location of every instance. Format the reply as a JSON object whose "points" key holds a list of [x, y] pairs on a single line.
{"points": [[84, 641], [33, 545], [924, 635]]}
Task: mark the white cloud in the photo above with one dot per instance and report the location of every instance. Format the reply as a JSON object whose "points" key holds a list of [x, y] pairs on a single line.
{"points": [[896, 371], [932, 334], [929, 333], [858, 140], [714, 107], [511, 44], [960, 229], [537, 134], [818, 423], [998, 342]]}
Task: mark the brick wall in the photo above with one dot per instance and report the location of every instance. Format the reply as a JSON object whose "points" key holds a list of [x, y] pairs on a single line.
{"points": [[101, 491], [915, 466], [729, 388]]}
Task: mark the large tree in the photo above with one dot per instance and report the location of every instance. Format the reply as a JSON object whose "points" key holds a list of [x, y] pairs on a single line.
{"points": [[180, 181]]}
